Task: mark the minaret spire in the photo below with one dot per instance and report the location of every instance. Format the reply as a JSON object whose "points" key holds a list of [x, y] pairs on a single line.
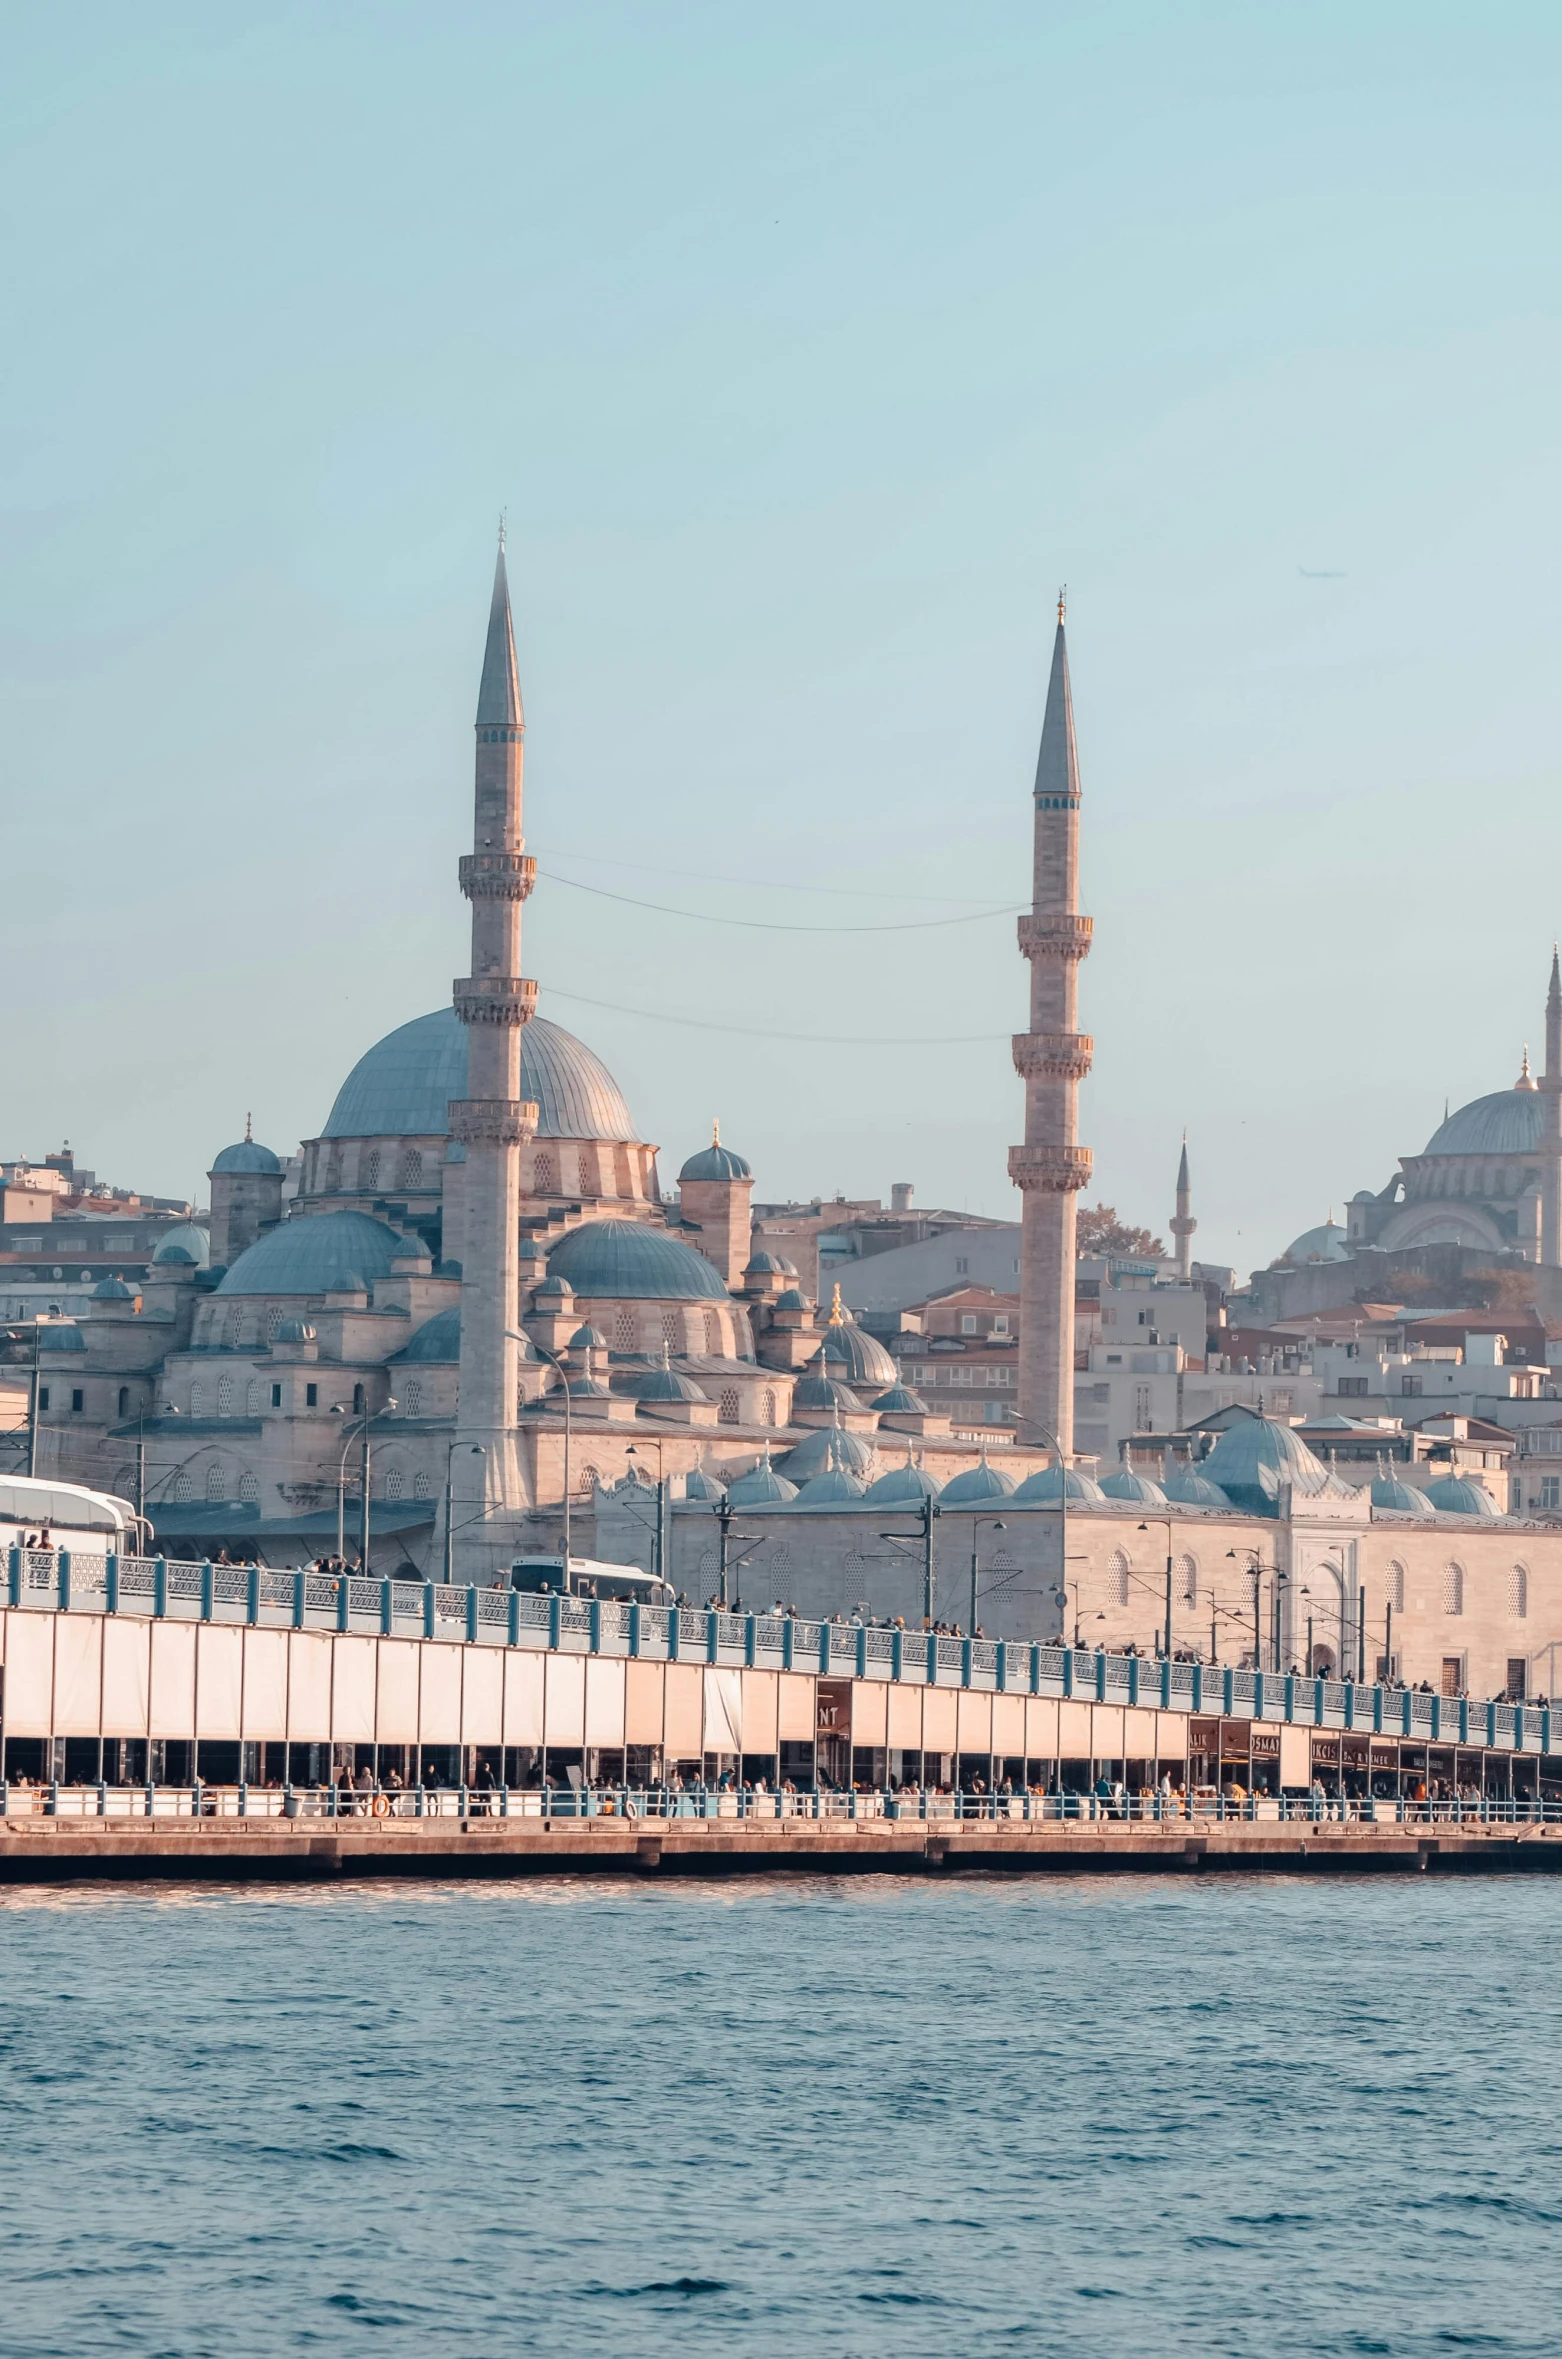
{"points": [[1052, 1057], [1551, 1122], [1183, 1222], [492, 1121]]}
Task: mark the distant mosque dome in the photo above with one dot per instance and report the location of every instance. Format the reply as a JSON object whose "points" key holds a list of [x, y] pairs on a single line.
{"points": [[835, 1487], [1126, 1482], [1255, 1458], [855, 1356], [1192, 1489], [401, 1088], [697, 1484], [904, 1487], [759, 1265], [818, 1391], [1392, 1497], [185, 1242], [61, 1335], [620, 1260], [977, 1483], [1044, 1487], [1457, 1495], [113, 1290], [900, 1401], [438, 1340], [247, 1155], [715, 1162], [1506, 1123], [1327, 1243], [790, 1299], [665, 1384], [318, 1253], [761, 1487], [814, 1454], [295, 1331]]}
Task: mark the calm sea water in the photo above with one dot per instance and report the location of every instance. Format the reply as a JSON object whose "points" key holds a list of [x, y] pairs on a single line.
{"points": [[840, 2120]]}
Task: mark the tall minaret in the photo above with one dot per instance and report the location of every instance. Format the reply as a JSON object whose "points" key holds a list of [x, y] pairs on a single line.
{"points": [[1551, 1123], [1183, 1222], [1052, 1058], [493, 1119]]}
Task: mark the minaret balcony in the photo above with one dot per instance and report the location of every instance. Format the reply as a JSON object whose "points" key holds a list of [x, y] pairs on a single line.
{"points": [[497, 876], [494, 999], [1055, 933], [493, 1122], [1053, 1056], [1051, 1171]]}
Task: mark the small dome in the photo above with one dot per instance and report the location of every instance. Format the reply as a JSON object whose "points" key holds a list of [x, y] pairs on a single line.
{"points": [[555, 1288], [185, 1242], [791, 1299], [587, 1339], [697, 1484], [438, 1339], [1506, 1123], [828, 1446], [787, 1268], [665, 1384], [299, 1331], [761, 1487], [853, 1354], [900, 1401], [317, 1253], [715, 1162], [1125, 1482], [585, 1388], [817, 1391], [976, 1484], [1392, 1497], [1045, 1487], [63, 1336], [1328, 1243], [247, 1155], [1192, 1489], [113, 1290], [836, 1487], [763, 1265], [618, 1260], [904, 1486], [1457, 1495], [1256, 1457]]}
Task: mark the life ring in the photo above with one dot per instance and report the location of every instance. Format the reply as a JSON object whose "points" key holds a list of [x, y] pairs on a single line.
{"points": [[381, 1806], [631, 1810]]}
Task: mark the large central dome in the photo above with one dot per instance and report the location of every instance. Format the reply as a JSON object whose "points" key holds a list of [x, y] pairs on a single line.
{"points": [[402, 1087], [1506, 1123]]}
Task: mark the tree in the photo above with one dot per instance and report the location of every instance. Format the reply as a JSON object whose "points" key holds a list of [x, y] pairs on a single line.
{"points": [[1100, 1231]]}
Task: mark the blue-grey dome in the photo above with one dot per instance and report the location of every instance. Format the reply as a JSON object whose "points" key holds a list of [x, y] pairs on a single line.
{"points": [[185, 1242], [113, 1290], [903, 1487], [791, 1299], [66, 1336], [1045, 1487], [295, 1331], [835, 1487], [665, 1384], [715, 1162], [828, 1445], [554, 1288], [1255, 1458], [438, 1339], [317, 1253], [900, 1401], [587, 1339], [976, 1484], [1457, 1495], [1326, 1243], [248, 1155], [815, 1391], [613, 1260], [761, 1487], [1125, 1482], [1391, 1496], [697, 1484], [763, 1265], [1192, 1489], [403, 1086], [857, 1357], [1506, 1123]]}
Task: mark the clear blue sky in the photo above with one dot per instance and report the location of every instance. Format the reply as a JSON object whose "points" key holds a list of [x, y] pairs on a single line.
{"points": [[809, 349]]}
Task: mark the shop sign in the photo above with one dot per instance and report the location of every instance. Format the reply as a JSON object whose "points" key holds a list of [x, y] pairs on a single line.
{"points": [[835, 1707], [1203, 1736], [1326, 1751], [1266, 1744]]}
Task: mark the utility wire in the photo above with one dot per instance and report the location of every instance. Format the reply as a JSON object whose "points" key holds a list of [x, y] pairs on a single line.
{"points": [[766, 884], [751, 1032], [773, 925]]}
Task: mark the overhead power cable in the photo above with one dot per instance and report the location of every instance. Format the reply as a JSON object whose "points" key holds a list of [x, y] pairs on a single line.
{"points": [[765, 925], [751, 1032], [770, 884]]}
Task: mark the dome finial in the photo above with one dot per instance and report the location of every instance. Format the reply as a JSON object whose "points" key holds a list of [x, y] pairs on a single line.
{"points": [[248, 1132], [715, 1130], [1062, 602], [837, 1314], [1526, 1079]]}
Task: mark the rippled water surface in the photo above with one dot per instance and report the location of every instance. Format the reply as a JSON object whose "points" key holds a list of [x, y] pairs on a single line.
{"points": [[1118, 2118]]}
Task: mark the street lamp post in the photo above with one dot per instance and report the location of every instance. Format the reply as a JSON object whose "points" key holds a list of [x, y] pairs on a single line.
{"points": [[724, 1514], [659, 1528], [360, 1433], [998, 1525], [925, 1515]]}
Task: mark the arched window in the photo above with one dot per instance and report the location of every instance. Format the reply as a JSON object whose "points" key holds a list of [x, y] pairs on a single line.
{"points": [[545, 1177], [395, 1483], [781, 1561], [371, 1168], [225, 1396], [234, 1327], [1394, 1586], [671, 1334], [584, 1175], [712, 1332], [357, 1400], [624, 1331], [1120, 1573], [1518, 1593], [249, 1490], [412, 1395], [197, 1398], [1190, 1579], [252, 1398], [216, 1485], [767, 1406], [410, 1171], [124, 1400], [273, 1322], [184, 1489], [1453, 1589], [728, 1411], [420, 1486], [589, 1479]]}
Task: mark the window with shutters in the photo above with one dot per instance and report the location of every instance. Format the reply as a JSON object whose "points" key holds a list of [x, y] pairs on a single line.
{"points": [[197, 1398], [225, 1396], [1518, 1592], [420, 1486], [412, 1395], [1120, 1575], [252, 1397], [1394, 1584], [767, 1406], [624, 1331], [671, 1334], [273, 1322], [1141, 1408], [395, 1484], [728, 1411], [371, 1168], [234, 1328], [409, 1172], [184, 1489], [1453, 1589], [545, 1176], [249, 1490], [712, 1332], [1190, 1579], [216, 1485], [589, 1479]]}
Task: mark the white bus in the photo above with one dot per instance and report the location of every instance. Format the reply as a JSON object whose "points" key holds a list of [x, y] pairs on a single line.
{"points": [[73, 1517], [587, 1576]]}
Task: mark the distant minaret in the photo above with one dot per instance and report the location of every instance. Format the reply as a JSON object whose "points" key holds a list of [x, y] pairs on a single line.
{"points": [[1183, 1222], [1551, 1124], [1052, 1059], [493, 1119]]}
